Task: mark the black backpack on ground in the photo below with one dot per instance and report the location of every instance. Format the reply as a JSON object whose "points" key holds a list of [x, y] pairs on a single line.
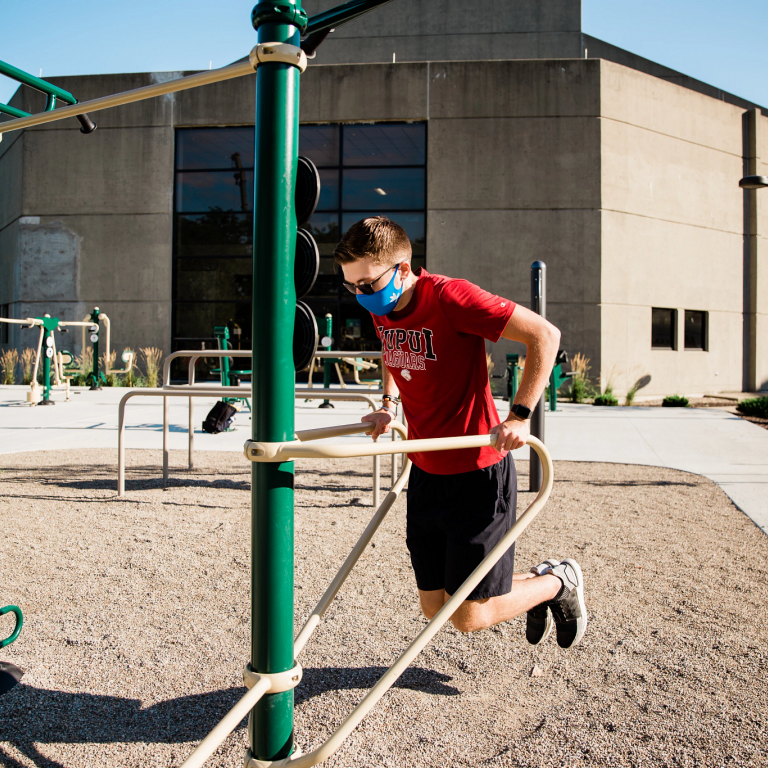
{"points": [[220, 418]]}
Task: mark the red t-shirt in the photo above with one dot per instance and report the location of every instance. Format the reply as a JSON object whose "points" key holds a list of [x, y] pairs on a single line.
{"points": [[435, 351]]}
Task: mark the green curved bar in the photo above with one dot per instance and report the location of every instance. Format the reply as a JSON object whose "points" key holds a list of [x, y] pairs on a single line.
{"points": [[19, 623]]}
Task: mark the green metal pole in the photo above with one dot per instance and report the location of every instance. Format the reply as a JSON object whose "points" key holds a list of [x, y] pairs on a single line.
{"points": [[552, 393], [270, 729], [95, 373], [47, 350], [327, 362]]}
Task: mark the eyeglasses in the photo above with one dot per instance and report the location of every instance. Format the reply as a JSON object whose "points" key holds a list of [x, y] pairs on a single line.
{"points": [[366, 288]]}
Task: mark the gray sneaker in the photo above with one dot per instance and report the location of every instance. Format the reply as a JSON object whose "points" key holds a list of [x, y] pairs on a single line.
{"points": [[568, 607], [538, 622]]}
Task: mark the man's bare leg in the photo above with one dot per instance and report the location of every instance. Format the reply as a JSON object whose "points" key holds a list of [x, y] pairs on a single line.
{"points": [[528, 591]]}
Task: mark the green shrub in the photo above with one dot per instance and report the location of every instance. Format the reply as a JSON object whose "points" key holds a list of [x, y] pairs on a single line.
{"points": [[754, 406], [675, 401], [607, 398]]}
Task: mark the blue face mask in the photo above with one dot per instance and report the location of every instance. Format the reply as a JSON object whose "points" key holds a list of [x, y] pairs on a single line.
{"points": [[384, 301]]}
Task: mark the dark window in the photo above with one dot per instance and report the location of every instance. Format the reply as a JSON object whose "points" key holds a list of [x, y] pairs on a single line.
{"points": [[5, 335], [695, 330], [365, 170], [663, 328]]}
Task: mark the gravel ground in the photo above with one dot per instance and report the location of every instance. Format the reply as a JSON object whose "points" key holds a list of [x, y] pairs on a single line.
{"points": [[137, 623]]}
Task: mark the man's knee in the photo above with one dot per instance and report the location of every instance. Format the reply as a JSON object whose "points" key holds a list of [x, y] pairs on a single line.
{"points": [[471, 617], [431, 602]]}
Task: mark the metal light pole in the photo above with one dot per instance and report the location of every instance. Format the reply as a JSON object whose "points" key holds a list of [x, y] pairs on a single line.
{"points": [[270, 728], [538, 305]]}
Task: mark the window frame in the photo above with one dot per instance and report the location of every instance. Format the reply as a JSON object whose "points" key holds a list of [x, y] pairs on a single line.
{"points": [[341, 304], [675, 322], [704, 330]]}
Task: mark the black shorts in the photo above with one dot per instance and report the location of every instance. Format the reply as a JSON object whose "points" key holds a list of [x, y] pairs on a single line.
{"points": [[453, 523]]}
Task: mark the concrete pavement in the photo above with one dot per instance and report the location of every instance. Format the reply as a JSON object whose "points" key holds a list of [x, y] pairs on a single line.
{"points": [[710, 442]]}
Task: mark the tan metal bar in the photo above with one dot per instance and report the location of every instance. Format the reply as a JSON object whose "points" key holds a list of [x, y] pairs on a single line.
{"points": [[228, 724], [441, 617], [307, 435], [347, 353], [217, 392], [256, 451], [128, 97], [314, 618], [419, 643]]}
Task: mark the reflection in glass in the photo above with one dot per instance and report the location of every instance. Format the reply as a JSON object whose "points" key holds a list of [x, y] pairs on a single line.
{"points": [[196, 320], [214, 279], [320, 143], [412, 223], [384, 144], [391, 188], [329, 190], [214, 234], [695, 330], [213, 147], [324, 227], [663, 328], [214, 190]]}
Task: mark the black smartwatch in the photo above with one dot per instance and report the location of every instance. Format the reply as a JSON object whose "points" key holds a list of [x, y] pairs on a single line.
{"points": [[521, 411]]}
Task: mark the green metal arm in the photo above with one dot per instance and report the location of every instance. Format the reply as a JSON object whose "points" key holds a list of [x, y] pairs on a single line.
{"points": [[12, 111], [341, 14], [19, 623], [35, 82], [53, 92]]}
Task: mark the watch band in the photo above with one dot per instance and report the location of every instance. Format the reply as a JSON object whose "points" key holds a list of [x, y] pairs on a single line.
{"points": [[521, 411]]}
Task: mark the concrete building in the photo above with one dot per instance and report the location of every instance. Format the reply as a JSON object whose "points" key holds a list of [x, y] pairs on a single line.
{"points": [[497, 141]]}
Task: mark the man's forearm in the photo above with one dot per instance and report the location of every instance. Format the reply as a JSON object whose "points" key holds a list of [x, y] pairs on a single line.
{"points": [[539, 360], [542, 340]]}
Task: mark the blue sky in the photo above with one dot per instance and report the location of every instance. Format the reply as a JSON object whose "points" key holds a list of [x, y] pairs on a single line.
{"points": [[722, 43]]}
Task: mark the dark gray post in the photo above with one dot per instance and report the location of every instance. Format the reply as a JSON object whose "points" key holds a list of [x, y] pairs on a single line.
{"points": [[539, 306]]}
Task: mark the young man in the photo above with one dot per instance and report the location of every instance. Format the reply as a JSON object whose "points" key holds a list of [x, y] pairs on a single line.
{"points": [[460, 503]]}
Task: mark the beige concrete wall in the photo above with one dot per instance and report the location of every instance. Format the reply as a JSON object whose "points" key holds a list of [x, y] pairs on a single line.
{"points": [[450, 30], [672, 230], [760, 271], [513, 177], [93, 224]]}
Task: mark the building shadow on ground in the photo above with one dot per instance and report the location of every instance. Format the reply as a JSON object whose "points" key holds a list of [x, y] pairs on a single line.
{"points": [[30, 716]]}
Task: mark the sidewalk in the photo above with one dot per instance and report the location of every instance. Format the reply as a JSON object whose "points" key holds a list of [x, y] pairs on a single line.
{"points": [[706, 441]]}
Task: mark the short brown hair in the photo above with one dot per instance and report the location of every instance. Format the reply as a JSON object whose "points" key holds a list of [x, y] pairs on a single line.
{"points": [[376, 236]]}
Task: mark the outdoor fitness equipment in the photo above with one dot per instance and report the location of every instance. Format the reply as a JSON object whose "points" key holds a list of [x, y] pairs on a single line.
{"points": [[64, 366], [261, 684], [192, 390], [46, 346], [273, 673], [10, 674], [96, 377]]}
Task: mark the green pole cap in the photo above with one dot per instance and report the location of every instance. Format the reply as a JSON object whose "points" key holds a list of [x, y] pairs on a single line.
{"points": [[279, 13]]}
